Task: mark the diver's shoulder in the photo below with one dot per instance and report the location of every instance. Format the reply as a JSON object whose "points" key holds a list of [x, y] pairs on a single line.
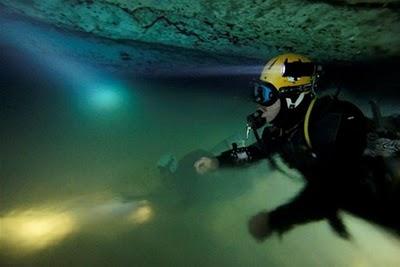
{"points": [[329, 104], [334, 120]]}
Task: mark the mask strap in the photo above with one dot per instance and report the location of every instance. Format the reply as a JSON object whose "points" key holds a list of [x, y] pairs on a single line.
{"points": [[294, 105]]}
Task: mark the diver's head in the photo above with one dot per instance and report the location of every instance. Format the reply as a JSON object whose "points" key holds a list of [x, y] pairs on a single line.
{"points": [[285, 88]]}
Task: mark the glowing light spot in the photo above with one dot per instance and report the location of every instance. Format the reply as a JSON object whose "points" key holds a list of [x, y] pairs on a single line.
{"points": [[106, 99], [34, 230], [141, 215], [23, 232]]}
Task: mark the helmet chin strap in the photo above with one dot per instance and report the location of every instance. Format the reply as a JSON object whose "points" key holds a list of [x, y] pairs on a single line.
{"points": [[294, 105]]}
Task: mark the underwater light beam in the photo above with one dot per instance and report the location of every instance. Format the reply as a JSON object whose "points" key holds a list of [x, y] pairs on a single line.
{"points": [[37, 228], [214, 71], [33, 230], [86, 82]]}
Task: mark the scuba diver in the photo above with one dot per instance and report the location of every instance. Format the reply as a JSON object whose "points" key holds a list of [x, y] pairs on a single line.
{"points": [[325, 138]]}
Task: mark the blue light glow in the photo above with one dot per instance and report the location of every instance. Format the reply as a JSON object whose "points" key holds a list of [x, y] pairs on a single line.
{"points": [[92, 89], [106, 99]]}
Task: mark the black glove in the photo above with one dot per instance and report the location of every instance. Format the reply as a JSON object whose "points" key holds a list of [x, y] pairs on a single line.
{"points": [[259, 226]]}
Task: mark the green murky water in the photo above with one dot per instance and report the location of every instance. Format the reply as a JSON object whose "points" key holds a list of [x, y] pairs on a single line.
{"points": [[80, 185]]}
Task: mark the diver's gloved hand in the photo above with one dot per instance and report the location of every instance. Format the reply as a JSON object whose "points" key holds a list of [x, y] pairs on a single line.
{"points": [[259, 226], [206, 164]]}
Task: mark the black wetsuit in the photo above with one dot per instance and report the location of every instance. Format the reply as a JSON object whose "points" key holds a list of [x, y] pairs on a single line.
{"points": [[331, 163]]}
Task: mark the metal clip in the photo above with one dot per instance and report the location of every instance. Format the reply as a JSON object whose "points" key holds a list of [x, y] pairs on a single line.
{"points": [[248, 129]]}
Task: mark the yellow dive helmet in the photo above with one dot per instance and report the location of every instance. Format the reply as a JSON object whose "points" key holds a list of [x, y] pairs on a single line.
{"points": [[289, 75]]}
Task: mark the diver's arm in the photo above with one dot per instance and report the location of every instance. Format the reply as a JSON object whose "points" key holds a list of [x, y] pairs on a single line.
{"points": [[241, 156], [260, 150], [231, 158], [310, 205]]}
